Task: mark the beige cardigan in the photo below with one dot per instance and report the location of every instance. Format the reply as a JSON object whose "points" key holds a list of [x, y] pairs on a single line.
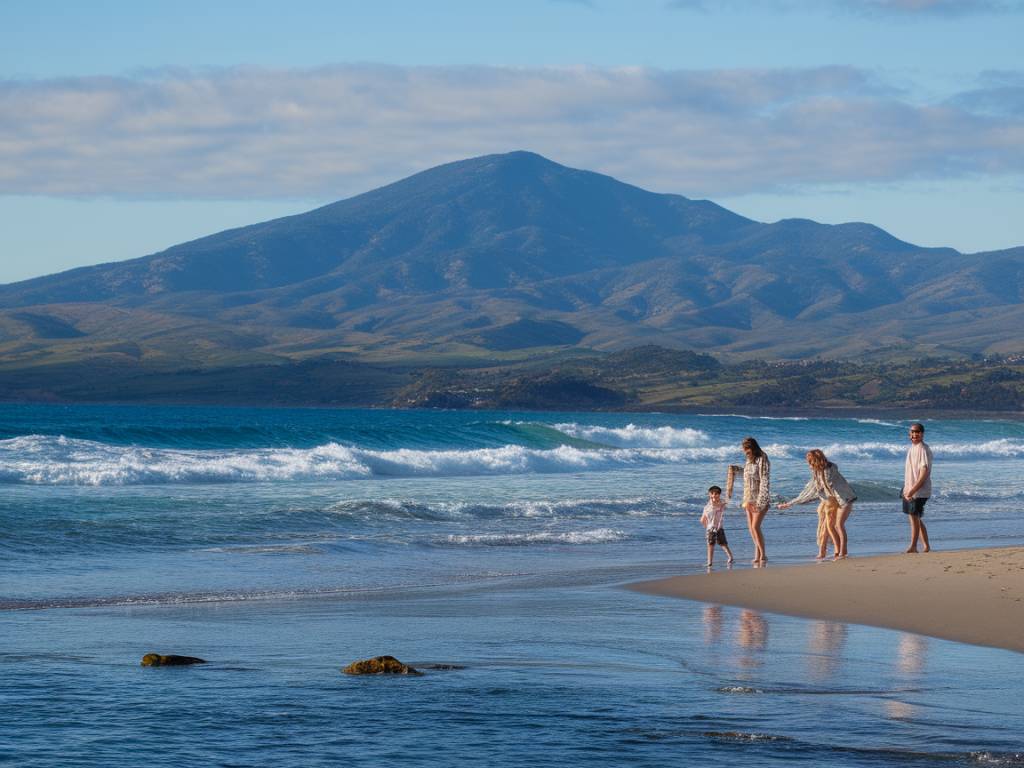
{"points": [[756, 481], [825, 485]]}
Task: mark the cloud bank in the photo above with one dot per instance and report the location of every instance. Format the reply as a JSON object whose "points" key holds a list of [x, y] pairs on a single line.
{"points": [[332, 132]]}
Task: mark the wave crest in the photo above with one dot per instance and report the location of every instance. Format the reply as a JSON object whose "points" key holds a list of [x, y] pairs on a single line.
{"points": [[48, 460], [631, 435], [595, 536]]}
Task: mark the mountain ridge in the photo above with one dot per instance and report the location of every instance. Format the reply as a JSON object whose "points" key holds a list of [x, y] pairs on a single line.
{"points": [[515, 255]]}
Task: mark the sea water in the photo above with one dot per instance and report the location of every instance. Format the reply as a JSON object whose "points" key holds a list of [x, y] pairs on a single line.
{"points": [[281, 545]]}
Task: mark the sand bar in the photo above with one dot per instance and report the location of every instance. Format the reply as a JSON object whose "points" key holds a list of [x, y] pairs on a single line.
{"points": [[971, 596]]}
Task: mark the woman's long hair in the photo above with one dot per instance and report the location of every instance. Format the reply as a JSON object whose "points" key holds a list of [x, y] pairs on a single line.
{"points": [[755, 449], [817, 460]]}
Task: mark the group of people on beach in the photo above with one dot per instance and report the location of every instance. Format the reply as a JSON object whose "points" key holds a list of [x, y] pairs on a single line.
{"points": [[828, 487]]}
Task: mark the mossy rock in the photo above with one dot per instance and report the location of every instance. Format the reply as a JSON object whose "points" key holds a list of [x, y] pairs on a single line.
{"points": [[380, 665], [157, 660]]}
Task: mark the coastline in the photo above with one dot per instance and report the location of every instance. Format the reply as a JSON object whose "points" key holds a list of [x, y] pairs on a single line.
{"points": [[970, 596], [895, 412]]}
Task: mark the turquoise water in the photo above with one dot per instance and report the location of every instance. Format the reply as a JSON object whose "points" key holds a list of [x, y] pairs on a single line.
{"points": [[282, 544]]}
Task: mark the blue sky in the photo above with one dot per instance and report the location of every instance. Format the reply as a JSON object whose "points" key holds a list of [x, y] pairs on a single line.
{"points": [[127, 127]]}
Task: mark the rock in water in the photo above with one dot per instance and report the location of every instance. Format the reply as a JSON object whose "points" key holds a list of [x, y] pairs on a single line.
{"points": [[380, 665], [156, 660]]}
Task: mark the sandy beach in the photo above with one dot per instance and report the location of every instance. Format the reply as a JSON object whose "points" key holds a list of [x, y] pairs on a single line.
{"points": [[971, 596]]}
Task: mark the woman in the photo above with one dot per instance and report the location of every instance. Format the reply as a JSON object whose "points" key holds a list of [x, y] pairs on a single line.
{"points": [[756, 473], [836, 496]]}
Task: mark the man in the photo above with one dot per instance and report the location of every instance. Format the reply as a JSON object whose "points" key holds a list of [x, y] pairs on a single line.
{"points": [[917, 486]]}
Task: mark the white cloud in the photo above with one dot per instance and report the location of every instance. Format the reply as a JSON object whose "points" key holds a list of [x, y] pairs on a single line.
{"points": [[331, 132]]}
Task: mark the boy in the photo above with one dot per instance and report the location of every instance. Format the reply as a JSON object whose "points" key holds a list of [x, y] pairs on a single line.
{"points": [[711, 519]]}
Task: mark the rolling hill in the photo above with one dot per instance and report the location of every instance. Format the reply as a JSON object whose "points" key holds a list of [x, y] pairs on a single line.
{"points": [[507, 257]]}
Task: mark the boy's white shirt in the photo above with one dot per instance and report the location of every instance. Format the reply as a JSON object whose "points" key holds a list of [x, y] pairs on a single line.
{"points": [[712, 514]]}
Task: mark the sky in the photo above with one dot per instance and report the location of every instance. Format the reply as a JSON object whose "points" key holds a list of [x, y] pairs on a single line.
{"points": [[128, 127]]}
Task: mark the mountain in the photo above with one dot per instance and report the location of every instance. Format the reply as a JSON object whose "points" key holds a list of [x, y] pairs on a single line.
{"points": [[505, 257]]}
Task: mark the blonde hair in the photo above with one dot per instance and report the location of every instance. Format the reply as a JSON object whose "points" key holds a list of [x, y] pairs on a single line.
{"points": [[817, 459]]}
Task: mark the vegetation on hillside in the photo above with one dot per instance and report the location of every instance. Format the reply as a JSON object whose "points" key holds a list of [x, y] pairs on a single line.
{"points": [[642, 378]]}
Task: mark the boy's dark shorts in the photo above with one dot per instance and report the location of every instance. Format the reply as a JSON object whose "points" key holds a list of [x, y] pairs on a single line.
{"points": [[718, 537], [914, 507]]}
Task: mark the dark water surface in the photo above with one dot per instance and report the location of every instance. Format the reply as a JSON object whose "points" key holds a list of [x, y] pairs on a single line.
{"points": [[282, 544]]}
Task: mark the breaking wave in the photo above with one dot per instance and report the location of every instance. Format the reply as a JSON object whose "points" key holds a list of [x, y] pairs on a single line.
{"points": [[46, 460], [595, 536], [631, 436], [50, 460]]}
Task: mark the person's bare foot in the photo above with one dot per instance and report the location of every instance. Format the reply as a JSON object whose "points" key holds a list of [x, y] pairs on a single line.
{"points": [[730, 560], [927, 548], [911, 550], [707, 565]]}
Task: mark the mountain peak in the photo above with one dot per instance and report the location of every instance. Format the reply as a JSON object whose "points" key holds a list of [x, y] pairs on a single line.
{"points": [[514, 250]]}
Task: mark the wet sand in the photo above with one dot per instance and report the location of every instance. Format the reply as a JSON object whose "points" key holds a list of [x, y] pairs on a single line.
{"points": [[971, 596]]}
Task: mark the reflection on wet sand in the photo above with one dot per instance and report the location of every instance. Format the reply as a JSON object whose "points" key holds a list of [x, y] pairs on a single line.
{"points": [[911, 654], [712, 619], [911, 660], [752, 637], [900, 710], [825, 641]]}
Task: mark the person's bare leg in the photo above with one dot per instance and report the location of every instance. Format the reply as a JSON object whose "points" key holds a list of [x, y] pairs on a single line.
{"points": [[711, 555], [762, 555], [833, 533], [915, 531], [750, 527], [728, 552], [924, 536], [822, 532], [843, 514]]}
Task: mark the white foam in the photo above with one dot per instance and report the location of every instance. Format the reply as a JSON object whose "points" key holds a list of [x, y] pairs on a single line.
{"points": [[631, 435], [48, 460], [44, 460], [752, 418], [992, 449], [582, 508], [595, 536]]}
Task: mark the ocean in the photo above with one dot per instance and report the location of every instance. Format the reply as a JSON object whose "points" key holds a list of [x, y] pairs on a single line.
{"points": [[282, 544]]}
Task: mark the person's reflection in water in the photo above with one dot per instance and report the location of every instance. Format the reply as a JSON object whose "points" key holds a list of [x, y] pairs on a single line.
{"points": [[752, 637], [911, 655], [900, 710], [825, 643], [911, 660], [712, 624]]}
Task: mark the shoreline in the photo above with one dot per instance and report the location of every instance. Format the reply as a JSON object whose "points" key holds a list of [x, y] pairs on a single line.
{"points": [[897, 412], [971, 596]]}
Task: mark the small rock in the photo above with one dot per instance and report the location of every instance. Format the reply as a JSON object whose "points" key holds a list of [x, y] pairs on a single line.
{"points": [[380, 665], [156, 660]]}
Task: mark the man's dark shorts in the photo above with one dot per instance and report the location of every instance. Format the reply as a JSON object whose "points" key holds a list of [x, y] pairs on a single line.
{"points": [[718, 537], [914, 507]]}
